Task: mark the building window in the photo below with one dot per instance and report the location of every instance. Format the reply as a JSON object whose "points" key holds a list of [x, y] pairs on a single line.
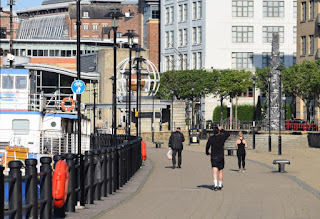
{"points": [[242, 8], [180, 15], [194, 35], [194, 10], [273, 9], [199, 61], [85, 27], [303, 46], [303, 11], [167, 15], [185, 61], [294, 35], [171, 39], [199, 9], [94, 27], [180, 37], [171, 15], [242, 60], [199, 37], [85, 14], [171, 64], [242, 34], [167, 39], [21, 82], [185, 37], [268, 32], [74, 26], [311, 44], [266, 59], [119, 35], [167, 63], [20, 126], [194, 60], [185, 12], [294, 9], [7, 82], [155, 13], [311, 9]]}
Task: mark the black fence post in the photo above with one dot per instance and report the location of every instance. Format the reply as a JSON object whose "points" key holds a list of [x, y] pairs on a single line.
{"points": [[15, 191], [104, 169], [1, 192], [31, 186], [114, 172], [46, 188], [71, 199], [97, 174], [56, 158], [90, 176], [109, 171], [119, 151]]}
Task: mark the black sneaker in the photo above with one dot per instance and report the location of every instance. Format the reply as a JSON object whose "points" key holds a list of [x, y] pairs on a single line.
{"points": [[215, 188], [220, 188]]}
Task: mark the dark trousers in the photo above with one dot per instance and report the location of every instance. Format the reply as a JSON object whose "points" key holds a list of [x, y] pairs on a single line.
{"points": [[174, 152], [241, 157]]}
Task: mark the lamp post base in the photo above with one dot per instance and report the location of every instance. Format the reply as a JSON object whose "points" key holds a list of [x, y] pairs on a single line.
{"points": [[279, 146], [269, 142]]}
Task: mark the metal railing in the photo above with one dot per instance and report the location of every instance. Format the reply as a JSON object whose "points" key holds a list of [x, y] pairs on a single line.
{"points": [[106, 170]]}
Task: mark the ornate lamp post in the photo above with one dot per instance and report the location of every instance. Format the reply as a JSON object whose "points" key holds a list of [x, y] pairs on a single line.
{"points": [[254, 78], [269, 76], [192, 89], [94, 106], [114, 15], [130, 34], [280, 69]]}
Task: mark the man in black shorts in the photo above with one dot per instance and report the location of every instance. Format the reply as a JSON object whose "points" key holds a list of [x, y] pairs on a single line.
{"points": [[216, 142]]}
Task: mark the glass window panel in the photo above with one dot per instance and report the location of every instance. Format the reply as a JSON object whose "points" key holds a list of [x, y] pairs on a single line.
{"points": [[20, 126], [21, 82], [7, 82]]}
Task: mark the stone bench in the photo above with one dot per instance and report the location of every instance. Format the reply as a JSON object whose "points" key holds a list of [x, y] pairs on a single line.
{"points": [[281, 164], [158, 144], [230, 150]]}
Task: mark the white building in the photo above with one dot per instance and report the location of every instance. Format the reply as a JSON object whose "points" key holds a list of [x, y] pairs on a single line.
{"points": [[234, 34]]}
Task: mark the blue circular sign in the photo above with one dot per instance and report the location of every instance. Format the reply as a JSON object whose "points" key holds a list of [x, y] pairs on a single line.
{"points": [[78, 87]]}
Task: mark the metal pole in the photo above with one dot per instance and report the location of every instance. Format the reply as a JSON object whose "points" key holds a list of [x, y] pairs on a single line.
{"points": [[130, 66], [137, 101], [114, 119], [94, 107], [254, 117], [11, 32], [280, 109], [269, 140], [80, 156], [152, 116]]}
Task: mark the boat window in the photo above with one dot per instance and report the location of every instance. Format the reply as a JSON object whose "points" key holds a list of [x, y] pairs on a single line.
{"points": [[7, 82], [21, 82], [20, 126]]}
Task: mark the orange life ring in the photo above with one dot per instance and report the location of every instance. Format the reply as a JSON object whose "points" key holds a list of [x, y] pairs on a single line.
{"points": [[67, 108], [143, 150], [60, 183]]}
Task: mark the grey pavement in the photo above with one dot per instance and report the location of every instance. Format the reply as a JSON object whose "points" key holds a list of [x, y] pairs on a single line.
{"points": [[162, 192]]}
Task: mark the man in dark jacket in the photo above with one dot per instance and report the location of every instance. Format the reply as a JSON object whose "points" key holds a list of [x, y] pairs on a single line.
{"points": [[216, 142], [175, 143]]}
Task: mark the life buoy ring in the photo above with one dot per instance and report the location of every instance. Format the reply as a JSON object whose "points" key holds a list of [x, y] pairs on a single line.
{"points": [[143, 150], [60, 183], [67, 108]]}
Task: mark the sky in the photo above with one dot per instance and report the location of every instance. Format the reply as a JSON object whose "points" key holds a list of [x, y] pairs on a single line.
{"points": [[23, 4]]}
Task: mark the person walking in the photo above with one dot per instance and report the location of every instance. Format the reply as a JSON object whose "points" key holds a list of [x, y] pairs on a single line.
{"points": [[176, 145], [241, 144], [216, 142]]}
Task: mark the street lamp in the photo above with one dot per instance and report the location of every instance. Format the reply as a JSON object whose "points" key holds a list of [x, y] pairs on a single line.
{"points": [[152, 120], [269, 76], [192, 89], [280, 69], [114, 15], [254, 78], [172, 90], [130, 34], [139, 61]]}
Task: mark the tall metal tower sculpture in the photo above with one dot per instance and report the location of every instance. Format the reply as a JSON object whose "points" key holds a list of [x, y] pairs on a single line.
{"points": [[275, 85]]}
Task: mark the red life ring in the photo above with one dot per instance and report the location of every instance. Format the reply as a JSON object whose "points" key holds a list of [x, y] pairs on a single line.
{"points": [[60, 183], [67, 108]]}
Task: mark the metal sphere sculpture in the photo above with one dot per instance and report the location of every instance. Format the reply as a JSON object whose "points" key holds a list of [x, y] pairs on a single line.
{"points": [[150, 77]]}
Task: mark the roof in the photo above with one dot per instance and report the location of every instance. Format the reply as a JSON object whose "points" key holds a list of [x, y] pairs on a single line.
{"points": [[64, 71]]}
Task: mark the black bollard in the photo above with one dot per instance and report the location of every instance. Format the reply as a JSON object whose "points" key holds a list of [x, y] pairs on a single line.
{"points": [[1, 192], [109, 171], [90, 176], [46, 188], [15, 191], [71, 199], [104, 170], [56, 158], [97, 174], [31, 185]]}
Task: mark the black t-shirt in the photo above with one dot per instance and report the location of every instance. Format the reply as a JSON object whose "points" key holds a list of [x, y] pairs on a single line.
{"points": [[216, 142]]}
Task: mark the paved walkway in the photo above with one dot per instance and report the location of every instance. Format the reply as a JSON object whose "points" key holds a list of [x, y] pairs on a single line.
{"points": [[260, 192]]}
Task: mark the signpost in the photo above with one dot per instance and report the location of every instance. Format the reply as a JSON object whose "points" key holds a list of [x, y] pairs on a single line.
{"points": [[78, 87]]}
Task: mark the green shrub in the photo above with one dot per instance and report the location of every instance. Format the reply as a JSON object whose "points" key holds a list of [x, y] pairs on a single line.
{"points": [[245, 113]]}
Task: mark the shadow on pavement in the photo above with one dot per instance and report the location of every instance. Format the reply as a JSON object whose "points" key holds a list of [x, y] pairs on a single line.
{"points": [[206, 187]]}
